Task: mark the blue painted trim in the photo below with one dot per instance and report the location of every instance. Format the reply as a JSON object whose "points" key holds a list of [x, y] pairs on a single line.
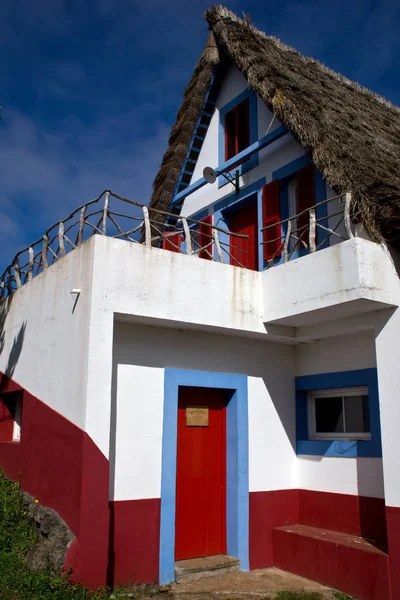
{"points": [[253, 160], [237, 500], [194, 134], [291, 168], [231, 199], [338, 448], [232, 162]]}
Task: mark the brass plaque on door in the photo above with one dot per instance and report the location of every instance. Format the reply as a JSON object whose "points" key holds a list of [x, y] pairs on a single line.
{"points": [[196, 416]]}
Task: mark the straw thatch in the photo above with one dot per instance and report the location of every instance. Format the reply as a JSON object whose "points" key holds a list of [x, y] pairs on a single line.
{"points": [[352, 134]]}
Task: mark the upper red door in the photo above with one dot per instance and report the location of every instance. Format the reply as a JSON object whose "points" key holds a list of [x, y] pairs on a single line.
{"points": [[245, 250], [200, 526]]}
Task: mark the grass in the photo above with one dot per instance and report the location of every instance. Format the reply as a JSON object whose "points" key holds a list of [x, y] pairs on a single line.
{"points": [[17, 580]]}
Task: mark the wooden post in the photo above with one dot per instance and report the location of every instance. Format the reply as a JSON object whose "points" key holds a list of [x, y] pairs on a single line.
{"points": [[44, 251], [105, 211], [61, 238], [287, 240], [79, 238], [17, 274], [347, 221], [188, 239], [312, 245], [218, 245], [147, 228], [31, 263]]}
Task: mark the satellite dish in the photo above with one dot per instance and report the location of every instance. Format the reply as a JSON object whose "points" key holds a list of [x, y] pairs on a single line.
{"points": [[209, 175]]}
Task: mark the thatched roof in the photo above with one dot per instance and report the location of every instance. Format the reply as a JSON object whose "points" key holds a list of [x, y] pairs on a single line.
{"points": [[352, 134]]}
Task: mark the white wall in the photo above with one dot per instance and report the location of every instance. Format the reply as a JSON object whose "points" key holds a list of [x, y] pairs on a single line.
{"points": [[388, 358], [341, 353], [46, 339], [363, 476], [141, 353], [271, 158], [138, 428]]}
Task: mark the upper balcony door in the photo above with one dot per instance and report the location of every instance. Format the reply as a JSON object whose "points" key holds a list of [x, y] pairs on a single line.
{"points": [[244, 220]]}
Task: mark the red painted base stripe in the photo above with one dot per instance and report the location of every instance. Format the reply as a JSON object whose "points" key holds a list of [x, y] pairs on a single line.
{"points": [[268, 510], [134, 541], [357, 515], [57, 463], [393, 529]]}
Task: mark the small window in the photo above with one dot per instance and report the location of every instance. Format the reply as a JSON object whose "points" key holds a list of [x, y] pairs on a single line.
{"points": [[237, 129], [10, 417], [341, 414]]}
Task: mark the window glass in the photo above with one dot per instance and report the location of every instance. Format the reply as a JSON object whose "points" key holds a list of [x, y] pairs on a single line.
{"points": [[357, 414], [339, 414], [329, 415]]}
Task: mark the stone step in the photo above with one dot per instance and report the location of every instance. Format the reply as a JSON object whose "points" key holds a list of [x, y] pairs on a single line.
{"points": [[346, 562], [192, 569]]}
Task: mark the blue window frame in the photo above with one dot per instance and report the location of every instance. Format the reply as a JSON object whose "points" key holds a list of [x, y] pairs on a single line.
{"points": [[366, 378], [253, 130]]}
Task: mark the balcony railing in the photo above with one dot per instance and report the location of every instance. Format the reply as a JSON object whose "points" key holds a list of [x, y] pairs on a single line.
{"points": [[120, 218], [293, 240]]}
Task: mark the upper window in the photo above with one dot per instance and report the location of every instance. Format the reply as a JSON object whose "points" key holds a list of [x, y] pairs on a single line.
{"points": [[339, 414], [10, 417], [237, 129]]}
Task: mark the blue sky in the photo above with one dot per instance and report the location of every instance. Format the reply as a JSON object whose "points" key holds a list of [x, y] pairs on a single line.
{"points": [[90, 89]]}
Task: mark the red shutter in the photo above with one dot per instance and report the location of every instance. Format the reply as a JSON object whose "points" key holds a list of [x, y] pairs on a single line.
{"points": [[175, 238], [243, 126], [305, 198], [272, 216], [204, 239], [230, 134], [6, 421]]}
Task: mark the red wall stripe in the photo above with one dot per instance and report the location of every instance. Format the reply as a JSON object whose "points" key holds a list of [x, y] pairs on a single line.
{"points": [[58, 464], [266, 511], [135, 540], [393, 529], [357, 515]]}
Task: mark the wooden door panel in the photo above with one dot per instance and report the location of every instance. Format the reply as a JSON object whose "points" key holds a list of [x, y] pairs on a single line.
{"points": [[200, 528]]}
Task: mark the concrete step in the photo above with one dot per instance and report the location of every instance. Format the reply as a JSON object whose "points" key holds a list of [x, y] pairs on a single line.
{"points": [[192, 569], [346, 562]]}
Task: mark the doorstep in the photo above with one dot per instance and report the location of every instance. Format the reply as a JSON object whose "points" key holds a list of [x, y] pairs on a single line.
{"points": [[193, 569]]}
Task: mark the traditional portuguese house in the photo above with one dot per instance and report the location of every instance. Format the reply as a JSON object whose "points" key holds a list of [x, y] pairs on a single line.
{"points": [[219, 373]]}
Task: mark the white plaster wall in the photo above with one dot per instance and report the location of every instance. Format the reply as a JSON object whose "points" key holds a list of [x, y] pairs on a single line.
{"points": [[271, 158], [388, 359], [354, 476], [362, 476], [341, 353], [46, 341], [354, 270], [140, 355], [138, 428], [160, 287]]}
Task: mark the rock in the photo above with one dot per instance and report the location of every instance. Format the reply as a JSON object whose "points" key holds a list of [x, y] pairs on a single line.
{"points": [[53, 537]]}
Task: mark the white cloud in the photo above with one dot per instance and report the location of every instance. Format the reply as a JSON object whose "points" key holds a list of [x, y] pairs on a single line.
{"points": [[45, 177]]}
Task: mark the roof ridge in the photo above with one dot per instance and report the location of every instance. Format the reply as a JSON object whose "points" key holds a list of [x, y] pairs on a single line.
{"points": [[218, 12]]}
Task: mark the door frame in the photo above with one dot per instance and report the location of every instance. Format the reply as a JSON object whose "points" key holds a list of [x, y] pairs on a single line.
{"points": [[237, 461]]}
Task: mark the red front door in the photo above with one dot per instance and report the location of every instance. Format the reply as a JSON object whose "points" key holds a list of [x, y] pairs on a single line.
{"points": [[200, 526], [245, 250]]}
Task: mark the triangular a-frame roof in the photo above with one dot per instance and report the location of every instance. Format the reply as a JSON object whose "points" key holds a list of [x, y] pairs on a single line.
{"points": [[352, 134]]}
